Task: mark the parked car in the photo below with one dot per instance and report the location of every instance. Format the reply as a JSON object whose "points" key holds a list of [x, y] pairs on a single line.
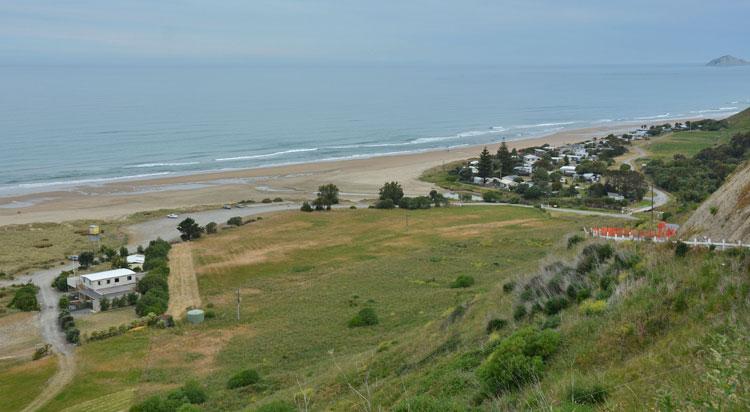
{"points": [[227, 206], [172, 216]]}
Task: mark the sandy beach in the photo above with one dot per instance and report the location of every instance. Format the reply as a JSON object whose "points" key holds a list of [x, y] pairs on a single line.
{"points": [[358, 179]]}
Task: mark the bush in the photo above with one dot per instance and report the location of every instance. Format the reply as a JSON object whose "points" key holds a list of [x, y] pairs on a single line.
{"points": [[212, 228], [64, 302], [462, 281], [210, 314], [154, 301], [552, 322], [306, 207], [156, 404], [193, 392], [245, 378], [277, 199], [365, 317], [266, 200], [593, 307], [496, 324], [132, 298], [554, 305], [681, 249], [592, 395], [426, 403], [152, 281], [517, 360], [519, 313], [414, 203], [73, 335], [509, 286], [277, 406], [235, 221], [104, 304], [385, 204], [574, 240], [25, 298]]}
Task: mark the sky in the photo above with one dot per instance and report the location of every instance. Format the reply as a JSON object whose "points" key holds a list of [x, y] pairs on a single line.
{"points": [[373, 32]]}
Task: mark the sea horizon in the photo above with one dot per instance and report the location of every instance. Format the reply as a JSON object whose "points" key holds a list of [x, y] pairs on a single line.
{"points": [[114, 124]]}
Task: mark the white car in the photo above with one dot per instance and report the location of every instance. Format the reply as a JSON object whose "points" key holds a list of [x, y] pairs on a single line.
{"points": [[172, 216]]}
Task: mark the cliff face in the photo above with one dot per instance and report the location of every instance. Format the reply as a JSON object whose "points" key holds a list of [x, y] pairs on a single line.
{"points": [[728, 61], [726, 213]]}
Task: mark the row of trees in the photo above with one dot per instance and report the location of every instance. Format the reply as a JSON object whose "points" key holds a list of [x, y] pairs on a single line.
{"points": [[501, 163], [391, 194], [153, 287], [327, 196]]}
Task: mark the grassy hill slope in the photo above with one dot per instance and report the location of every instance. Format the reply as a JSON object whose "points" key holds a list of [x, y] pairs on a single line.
{"points": [[629, 327]]}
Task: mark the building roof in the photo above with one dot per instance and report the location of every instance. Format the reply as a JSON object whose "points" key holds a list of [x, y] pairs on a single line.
{"points": [[138, 259], [109, 274]]}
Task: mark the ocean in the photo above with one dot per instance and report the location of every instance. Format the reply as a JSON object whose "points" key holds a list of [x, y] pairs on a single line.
{"points": [[66, 126]]}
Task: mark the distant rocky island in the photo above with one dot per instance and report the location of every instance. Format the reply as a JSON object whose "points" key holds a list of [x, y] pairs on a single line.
{"points": [[727, 61]]}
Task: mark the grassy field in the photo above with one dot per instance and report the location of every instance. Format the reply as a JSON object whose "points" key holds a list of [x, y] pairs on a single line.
{"points": [[302, 277], [50, 243], [689, 143], [668, 335], [20, 383], [88, 323]]}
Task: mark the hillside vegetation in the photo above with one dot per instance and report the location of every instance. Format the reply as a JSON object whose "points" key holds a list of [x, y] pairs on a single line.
{"points": [[457, 309]]}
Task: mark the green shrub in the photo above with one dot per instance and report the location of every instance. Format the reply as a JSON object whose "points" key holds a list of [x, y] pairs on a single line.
{"points": [[462, 281], [25, 298], [385, 204], [552, 322], [681, 249], [554, 305], [590, 395], [192, 391], [574, 240], [235, 221], [509, 286], [519, 313], [593, 307], [210, 313], [426, 403], [154, 301], [132, 298], [277, 199], [73, 335], [245, 378], [517, 360], [64, 302], [157, 403], [104, 304], [306, 207], [212, 228], [365, 317], [277, 406], [496, 324], [266, 200]]}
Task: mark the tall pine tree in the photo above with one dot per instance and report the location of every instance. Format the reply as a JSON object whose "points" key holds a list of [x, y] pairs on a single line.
{"points": [[505, 159], [485, 164]]}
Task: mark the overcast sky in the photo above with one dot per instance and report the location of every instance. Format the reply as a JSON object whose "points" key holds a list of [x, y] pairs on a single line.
{"points": [[373, 31]]}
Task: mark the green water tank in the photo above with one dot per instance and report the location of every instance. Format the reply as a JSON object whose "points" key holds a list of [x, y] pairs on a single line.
{"points": [[195, 316]]}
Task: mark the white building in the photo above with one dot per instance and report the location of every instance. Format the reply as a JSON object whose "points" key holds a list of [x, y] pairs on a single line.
{"points": [[568, 170], [135, 261], [530, 159], [109, 284]]}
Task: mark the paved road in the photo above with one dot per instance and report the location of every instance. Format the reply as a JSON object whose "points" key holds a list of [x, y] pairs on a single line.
{"points": [[660, 197], [560, 210]]}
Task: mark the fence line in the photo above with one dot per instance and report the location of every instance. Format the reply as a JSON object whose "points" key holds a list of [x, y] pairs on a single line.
{"points": [[634, 236]]}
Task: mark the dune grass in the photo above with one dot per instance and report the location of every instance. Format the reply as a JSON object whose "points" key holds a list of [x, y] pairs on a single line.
{"points": [[43, 245]]}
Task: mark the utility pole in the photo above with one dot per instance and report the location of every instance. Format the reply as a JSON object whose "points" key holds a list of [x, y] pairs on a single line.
{"points": [[238, 305], [652, 205]]}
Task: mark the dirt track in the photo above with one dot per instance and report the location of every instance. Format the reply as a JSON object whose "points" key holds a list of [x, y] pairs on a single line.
{"points": [[183, 285]]}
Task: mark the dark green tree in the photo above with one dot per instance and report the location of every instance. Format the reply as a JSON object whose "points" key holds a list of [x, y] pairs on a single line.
{"points": [[86, 259], [124, 252], [189, 229], [485, 164], [505, 159], [393, 191], [328, 195]]}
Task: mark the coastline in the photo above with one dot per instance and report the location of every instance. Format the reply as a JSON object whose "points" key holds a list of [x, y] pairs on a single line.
{"points": [[358, 179]]}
